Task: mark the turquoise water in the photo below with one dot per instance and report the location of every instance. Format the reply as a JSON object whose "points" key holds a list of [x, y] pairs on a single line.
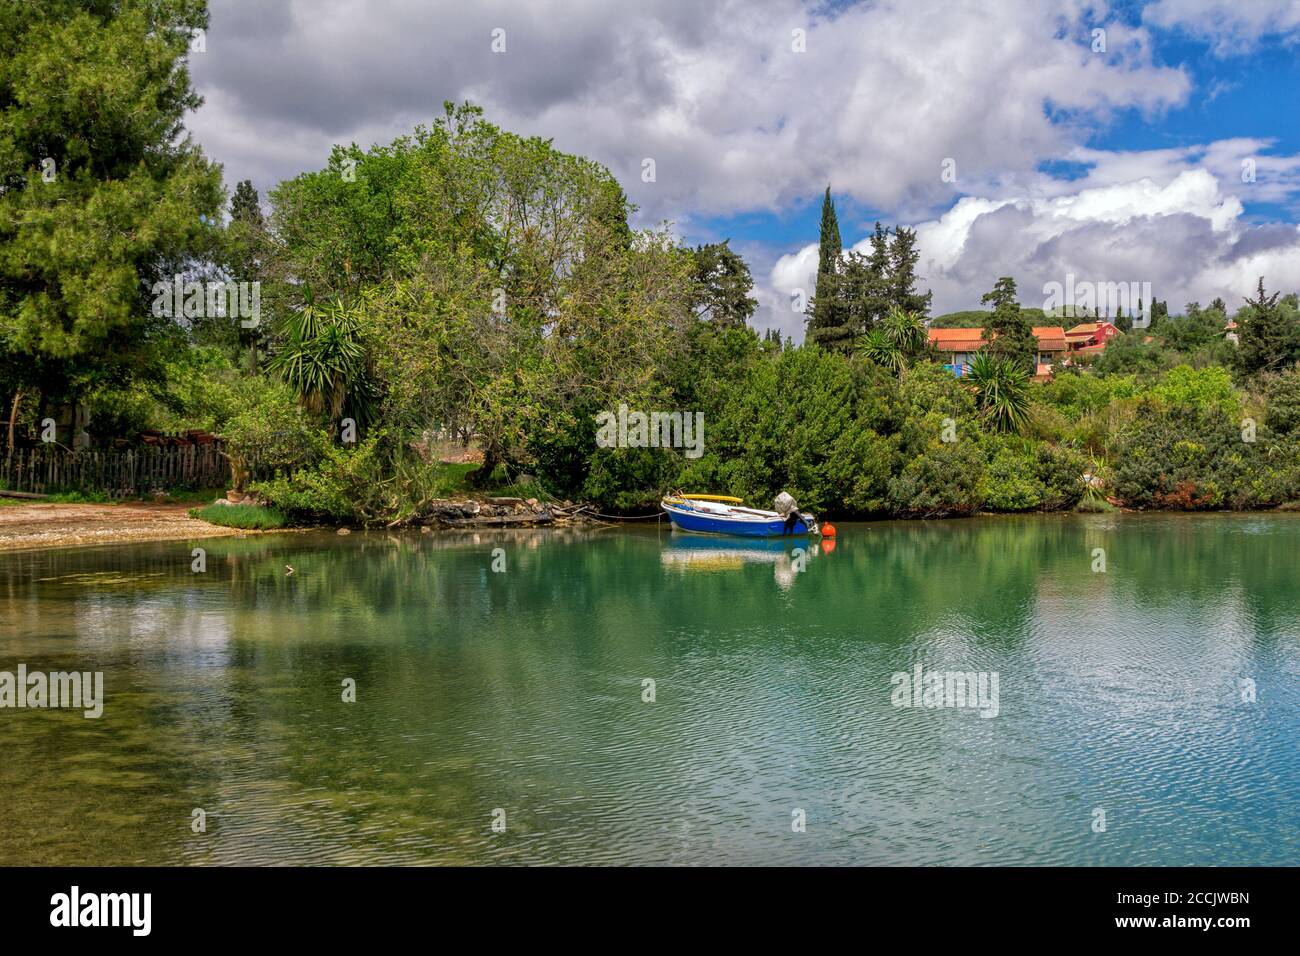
{"points": [[523, 691]]}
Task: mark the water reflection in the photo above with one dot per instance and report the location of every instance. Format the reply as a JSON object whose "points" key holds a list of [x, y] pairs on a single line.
{"points": [[788, 557]]}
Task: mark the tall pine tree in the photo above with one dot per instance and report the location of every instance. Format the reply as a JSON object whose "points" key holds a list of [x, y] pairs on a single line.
{"points": [[1268, 334], [246, 242], [722, 285], [829, 321], [1007, 330], [903, 256], [101, 193]]}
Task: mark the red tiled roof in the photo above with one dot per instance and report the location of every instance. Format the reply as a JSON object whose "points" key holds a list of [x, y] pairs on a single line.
{"points": [[1051, 338], [956, 336]]}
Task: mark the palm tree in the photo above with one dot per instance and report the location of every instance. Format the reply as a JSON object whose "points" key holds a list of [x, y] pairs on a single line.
{"points": [[1001, 390]]}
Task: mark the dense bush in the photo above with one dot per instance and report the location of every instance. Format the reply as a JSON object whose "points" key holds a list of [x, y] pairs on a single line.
{"points": [[1190, 458], [1023, 475], [802, 421], [343, 483], [945, 479], [1283, 395]]}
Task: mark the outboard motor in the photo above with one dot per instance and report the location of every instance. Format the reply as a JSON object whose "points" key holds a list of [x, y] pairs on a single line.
{"points": [[788, 508]]}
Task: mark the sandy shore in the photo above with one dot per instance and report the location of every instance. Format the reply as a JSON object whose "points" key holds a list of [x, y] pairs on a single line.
{"points": [[66, 526]]}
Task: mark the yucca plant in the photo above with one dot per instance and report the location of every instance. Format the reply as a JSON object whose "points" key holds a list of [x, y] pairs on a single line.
{"points": [[905, 330], [321, 357], [877, 346], [1001, 391]]}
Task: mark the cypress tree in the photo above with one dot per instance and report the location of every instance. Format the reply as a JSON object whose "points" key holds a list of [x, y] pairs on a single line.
{"points": [[827, 322]]}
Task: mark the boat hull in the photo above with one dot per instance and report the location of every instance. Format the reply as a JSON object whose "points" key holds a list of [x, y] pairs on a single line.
{"points": [[698, 522]]}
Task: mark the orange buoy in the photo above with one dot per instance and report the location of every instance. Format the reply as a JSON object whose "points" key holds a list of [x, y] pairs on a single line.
{"points": [[828, 530]]}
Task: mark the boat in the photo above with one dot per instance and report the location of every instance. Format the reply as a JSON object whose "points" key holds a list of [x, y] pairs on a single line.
{"points": [[722, 514]]}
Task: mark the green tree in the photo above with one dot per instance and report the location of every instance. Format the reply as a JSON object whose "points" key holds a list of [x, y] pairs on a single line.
{"points": [[829, 324], [1001, 388], [896, 341], [101, 193], [321, 356], [246, 242], [877, 346], [903, 256], [722, 285], [1007, 330], [1268, 334]]}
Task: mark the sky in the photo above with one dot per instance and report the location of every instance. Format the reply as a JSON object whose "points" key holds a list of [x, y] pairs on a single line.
{"points": [[1113, 142]]}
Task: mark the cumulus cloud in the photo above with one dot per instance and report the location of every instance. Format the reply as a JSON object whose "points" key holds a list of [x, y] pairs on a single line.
{"points": [[1186, 237], [743, 106]]}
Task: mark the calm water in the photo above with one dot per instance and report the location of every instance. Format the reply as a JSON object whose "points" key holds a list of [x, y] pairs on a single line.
{"points": [[1119, 691]]}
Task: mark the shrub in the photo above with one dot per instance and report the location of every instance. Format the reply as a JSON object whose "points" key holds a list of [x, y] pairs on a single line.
{"points": [[1026, 476], [1198, 388], [1010, 483], [945, 479], [1195, 458], [344, 484], [1283, 394]]}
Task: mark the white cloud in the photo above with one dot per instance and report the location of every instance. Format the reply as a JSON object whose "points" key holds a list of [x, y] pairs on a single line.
{"points": [[735, 119], [1234, 26]]}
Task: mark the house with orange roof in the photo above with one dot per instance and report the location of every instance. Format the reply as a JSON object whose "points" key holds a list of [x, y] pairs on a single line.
{"points": [[1090, 336], [959, 346]]}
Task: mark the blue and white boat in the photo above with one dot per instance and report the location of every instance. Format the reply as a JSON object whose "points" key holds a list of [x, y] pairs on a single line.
{"points": [[721, 514]]}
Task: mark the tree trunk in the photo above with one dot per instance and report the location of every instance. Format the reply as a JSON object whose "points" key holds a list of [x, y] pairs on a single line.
{"points": [[480, 476], [13, 416]]}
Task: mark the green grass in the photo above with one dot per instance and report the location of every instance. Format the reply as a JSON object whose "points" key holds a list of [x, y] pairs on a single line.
{"points": [[77, 498], [175, 496], [1094, 505], [247, 517]]}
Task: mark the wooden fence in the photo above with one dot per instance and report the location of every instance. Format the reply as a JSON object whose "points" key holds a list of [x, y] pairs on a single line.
{"points": [[119, 474]]}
